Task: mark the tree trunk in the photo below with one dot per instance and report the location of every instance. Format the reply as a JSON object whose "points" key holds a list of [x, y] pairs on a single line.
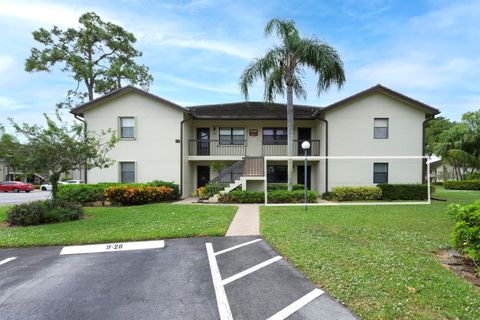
{"points": [[290, 135], [54, 181]]}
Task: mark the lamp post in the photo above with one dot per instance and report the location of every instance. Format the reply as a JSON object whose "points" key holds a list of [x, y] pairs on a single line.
{"points": [[305, 147]]}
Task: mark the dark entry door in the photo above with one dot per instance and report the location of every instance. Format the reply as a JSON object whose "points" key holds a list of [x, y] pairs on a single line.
{"points": [[203, 141], [203, 176], [301, 176], [304, 134]]}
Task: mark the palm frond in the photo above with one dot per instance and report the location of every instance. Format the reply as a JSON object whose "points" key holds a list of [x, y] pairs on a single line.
{"points": [[324, 60], [274, 84], [261, 68]]}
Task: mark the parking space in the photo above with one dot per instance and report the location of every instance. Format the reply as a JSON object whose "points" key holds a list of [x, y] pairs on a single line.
{"points": [[8, 198], [172, 282]]}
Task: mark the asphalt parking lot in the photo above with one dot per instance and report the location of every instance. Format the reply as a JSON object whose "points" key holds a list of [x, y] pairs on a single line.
{"points": [[7, 198], [196, 278]]}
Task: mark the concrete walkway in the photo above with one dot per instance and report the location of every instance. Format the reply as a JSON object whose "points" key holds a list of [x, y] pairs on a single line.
{"points": [[246, 221]]}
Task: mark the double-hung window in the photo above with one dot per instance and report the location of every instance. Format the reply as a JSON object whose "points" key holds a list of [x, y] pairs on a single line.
{"points": [[232, 136], [127, 172], [127, 127], [380, 130], [380, 172], [277, 136]]}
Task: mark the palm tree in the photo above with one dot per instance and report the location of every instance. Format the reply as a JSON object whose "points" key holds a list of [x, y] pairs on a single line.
{"points": [[283, 68]]}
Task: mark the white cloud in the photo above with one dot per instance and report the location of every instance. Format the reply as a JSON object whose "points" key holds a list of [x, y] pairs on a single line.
{"points": [[228, 88], [6, 64], [43, 12], [9, 104]]}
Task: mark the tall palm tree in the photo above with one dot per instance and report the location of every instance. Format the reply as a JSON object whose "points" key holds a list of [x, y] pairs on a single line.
{"points": [[282, 69]]}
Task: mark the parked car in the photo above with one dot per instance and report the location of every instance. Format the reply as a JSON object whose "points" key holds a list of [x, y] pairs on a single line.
{"points": [[16, 186], [48, 187]]}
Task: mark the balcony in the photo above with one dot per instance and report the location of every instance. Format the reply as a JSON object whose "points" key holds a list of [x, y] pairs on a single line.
{"points": [[280, 148], [214, 148]]}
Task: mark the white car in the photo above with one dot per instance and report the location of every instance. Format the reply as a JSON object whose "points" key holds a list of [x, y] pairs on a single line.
{"points": [[48, 187]]}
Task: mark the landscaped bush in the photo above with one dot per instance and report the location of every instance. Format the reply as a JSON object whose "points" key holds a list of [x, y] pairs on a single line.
{"points": [[276, 196], [83, 193], [404, 191], [134, 195], [462, 184], [212, 189], [466, 232], [473, 176], [160, 183], [283, 186], [39, 212], [354, 194]]}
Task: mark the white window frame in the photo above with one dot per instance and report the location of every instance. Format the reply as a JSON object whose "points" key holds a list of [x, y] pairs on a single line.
{"points": [[120, 170], [375, 127], [120, 127]]}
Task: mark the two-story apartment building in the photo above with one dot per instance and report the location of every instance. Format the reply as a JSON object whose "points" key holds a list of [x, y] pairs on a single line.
{"points": [[163, 140]]}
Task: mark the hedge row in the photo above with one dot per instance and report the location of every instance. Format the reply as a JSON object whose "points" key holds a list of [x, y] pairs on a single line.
{"points": [[462, 184], [353, 194], [82, 193], [276, 196], [404, 191], [135, 195], [381, 191], [466, 232], [283, 186]]}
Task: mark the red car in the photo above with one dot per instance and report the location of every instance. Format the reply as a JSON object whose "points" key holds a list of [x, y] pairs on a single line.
{"points": [[15, 186]]}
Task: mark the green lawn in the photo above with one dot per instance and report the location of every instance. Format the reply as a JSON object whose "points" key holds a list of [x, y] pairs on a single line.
{"points": [[157, 221], [378, 260]]}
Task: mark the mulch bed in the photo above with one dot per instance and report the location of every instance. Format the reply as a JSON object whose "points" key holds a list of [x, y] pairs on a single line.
{"points": [[458, 263]]}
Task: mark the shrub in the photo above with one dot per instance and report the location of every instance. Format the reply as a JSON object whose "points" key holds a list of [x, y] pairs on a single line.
{"points": [[134, 195], [354, 193], [276, 196], [283, 186], [80, 193], [285, 196], [214, 188], [462, 184], [473, 176], [160, 183], [83, 193], [404, 191], [466, 232], [39, 212]]}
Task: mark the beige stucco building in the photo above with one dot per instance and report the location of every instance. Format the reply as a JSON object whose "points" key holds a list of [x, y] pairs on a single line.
{"points": [[165, 141]]}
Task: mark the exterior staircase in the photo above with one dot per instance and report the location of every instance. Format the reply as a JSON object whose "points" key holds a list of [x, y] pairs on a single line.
{"points": [[237, 174]]}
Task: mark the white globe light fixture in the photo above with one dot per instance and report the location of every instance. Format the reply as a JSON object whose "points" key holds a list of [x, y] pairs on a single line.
{"points": [[305, 147]]}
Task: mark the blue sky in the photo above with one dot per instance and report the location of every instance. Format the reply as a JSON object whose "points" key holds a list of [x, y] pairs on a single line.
{"points": [[196, 50]]}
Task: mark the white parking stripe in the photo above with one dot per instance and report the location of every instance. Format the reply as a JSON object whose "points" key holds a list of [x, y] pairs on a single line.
{"points": [[237, 246], [112, 247], [7, 260], [250, 270], [297, 305], [222, 301]]}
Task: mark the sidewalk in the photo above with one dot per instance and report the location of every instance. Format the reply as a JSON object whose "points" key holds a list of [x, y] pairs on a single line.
{"points": [[246, 221]]}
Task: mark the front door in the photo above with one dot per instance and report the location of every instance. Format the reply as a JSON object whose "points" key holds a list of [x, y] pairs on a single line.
{"points": [[203, 141], [301, 176], [304, 134], [203, 175]]}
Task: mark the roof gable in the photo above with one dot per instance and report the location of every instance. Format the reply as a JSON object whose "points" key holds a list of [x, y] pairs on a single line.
{"points": [[389, 92], [78, 110]]}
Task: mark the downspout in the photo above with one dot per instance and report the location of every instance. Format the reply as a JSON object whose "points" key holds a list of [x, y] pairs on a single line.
{"points": [[326, 151], [424, 143], [85, 135], [181, 152]]}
